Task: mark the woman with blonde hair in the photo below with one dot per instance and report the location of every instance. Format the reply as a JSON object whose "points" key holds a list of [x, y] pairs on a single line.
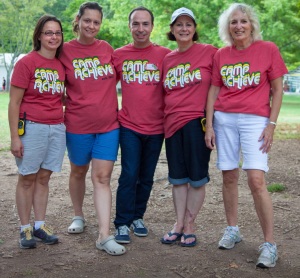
{"points": [[240, 117]]}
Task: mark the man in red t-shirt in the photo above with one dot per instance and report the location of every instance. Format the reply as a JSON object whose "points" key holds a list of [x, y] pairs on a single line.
{"points": [[139, 69]]}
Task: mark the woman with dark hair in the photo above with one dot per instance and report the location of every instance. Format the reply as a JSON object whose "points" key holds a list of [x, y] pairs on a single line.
{"points": [[91, 121], [37, 42], [240, 119], [37, 127], [186, 78]]}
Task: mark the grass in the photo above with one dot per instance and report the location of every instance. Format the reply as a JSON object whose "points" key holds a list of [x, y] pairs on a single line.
{"points": [[275, 187], [288, 123], [289, 118], [290, 110], [4, 127]]}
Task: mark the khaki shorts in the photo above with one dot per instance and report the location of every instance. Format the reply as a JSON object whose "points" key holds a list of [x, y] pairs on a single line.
{"points": [[44, 147]]}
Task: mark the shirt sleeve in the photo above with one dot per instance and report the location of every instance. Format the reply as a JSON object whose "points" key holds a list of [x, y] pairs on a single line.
{"points": [[21, 74], [278, 67], [216, 76]]}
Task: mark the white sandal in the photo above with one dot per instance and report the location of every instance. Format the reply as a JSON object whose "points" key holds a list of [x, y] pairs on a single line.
{"points": [[77, 226], [111, 246]]}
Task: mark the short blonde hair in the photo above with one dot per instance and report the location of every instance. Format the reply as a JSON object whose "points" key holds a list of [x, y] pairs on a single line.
{"points": [[224, 21]]}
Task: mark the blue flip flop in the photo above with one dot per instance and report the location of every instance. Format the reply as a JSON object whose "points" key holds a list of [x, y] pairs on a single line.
{"points": [[166, 241], [192, 244]]}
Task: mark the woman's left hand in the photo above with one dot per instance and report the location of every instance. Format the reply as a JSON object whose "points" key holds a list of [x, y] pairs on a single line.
{"points": [[210, 137], [267, 137]]}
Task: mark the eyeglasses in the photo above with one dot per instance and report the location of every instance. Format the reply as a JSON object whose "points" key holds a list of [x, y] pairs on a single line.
{"points": [[50, 33]]}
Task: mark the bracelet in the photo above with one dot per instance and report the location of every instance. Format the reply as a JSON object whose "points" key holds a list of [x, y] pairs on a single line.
{"points": [[273, 123]]}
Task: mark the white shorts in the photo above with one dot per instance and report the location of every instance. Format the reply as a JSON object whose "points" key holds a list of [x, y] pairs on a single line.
{"points": [[239, 133], [44, 147]]}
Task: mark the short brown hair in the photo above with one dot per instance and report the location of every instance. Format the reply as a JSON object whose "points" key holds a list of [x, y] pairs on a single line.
{"points": [[141, 8]]}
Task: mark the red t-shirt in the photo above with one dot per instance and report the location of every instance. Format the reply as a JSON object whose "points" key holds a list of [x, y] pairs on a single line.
{"points": [[140, 74], [91, 104], [187, 78], [43, 80], [244, 77]]}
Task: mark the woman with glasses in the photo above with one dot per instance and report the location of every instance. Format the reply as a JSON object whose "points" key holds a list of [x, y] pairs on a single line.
{"points": [[91, 121], [36, 126]]}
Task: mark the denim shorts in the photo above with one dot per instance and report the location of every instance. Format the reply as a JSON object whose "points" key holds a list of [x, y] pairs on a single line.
{"points": [[238, 133], [44, 147], [83, 147], [188, 157]]}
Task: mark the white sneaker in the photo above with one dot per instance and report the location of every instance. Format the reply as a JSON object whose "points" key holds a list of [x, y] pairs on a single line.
{"points": [[268, 255], [230, 238]]}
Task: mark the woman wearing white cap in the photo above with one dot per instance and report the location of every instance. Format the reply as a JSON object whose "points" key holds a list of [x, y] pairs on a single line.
{"points": [[187, 77]]}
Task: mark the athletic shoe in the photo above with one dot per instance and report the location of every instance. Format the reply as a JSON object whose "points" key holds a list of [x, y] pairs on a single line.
{"points": [[268, 255], [122, 234], [45, 234], [139, 228], [26, 239], [230, 238]]}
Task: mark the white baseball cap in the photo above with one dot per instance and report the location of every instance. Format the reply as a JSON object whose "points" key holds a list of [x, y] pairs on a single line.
{"points": [[182, 11]]}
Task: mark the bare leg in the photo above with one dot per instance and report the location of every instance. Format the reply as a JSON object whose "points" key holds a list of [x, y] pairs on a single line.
{"points": [[263, 203], [101, 175], [195, 199], [24, 197], [77, 187], [41, 192], [230, 195], [179, 199]]}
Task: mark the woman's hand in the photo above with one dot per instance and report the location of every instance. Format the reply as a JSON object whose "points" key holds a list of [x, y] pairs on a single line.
{"points": [[210, 137], [267, 137], [268, 132], [17, 148]]}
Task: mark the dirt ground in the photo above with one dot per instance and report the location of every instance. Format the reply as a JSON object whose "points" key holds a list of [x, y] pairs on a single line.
{"points": [[77, 256]]}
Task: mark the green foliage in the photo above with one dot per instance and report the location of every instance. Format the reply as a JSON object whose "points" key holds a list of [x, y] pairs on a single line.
{"points": [[57, 8], [275, 18], [279, 20], [69, 15], [18, 18], [275, 187], [17, 21], [280, 23]]}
